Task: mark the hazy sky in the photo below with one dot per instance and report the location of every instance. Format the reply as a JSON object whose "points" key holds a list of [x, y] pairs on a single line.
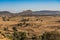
{"points": [[35, 5]]}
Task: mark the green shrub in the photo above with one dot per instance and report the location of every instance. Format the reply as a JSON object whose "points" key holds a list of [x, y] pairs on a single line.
{"points": [[5, 28], [51, 36], [14, 29], [19, 35]]}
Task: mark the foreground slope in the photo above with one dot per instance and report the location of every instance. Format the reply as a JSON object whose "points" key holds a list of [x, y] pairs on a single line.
{"points": [[32, 25]]}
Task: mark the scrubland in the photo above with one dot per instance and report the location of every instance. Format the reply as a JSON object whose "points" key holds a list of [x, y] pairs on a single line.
{"points": [[30, 28]]}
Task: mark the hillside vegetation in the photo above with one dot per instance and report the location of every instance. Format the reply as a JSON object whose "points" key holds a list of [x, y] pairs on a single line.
{"points": [[29, 27]]}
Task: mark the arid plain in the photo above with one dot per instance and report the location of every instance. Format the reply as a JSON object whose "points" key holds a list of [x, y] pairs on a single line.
{"points": [[32, 25]]}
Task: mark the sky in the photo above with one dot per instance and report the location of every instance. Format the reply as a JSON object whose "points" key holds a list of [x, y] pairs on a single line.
{"points": [[35, 5]]}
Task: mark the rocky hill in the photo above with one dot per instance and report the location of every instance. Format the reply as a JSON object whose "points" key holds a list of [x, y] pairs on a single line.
{"points": [[29, 12]]}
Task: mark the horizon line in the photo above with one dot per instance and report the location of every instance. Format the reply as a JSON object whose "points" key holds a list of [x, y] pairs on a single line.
{"points": [[26, 10]]}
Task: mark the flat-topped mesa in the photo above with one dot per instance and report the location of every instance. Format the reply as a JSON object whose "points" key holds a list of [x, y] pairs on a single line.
{"points": [[27, 12]]}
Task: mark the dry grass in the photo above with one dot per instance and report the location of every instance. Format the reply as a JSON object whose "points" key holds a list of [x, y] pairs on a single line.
{"points": [[36, 25]]}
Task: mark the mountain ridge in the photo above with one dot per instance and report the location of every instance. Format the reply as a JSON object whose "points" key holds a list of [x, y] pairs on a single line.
{"points": [[30, 12]]}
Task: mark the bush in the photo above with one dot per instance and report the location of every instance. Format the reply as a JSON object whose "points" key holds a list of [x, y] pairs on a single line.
{"points": [[19, 35], [5, 28], [51, 36], [3, 18], [14, 29], [25, 20]]}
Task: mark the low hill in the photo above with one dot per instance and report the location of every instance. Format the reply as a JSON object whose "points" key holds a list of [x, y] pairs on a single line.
{"points": [[29, 12]]}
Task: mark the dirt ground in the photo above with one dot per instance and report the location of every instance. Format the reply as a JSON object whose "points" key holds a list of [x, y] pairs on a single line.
{"points": [[31, 24]]}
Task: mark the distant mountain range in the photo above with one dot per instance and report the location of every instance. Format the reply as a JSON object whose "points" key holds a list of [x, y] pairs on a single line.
{"points": [[29, 12]]}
